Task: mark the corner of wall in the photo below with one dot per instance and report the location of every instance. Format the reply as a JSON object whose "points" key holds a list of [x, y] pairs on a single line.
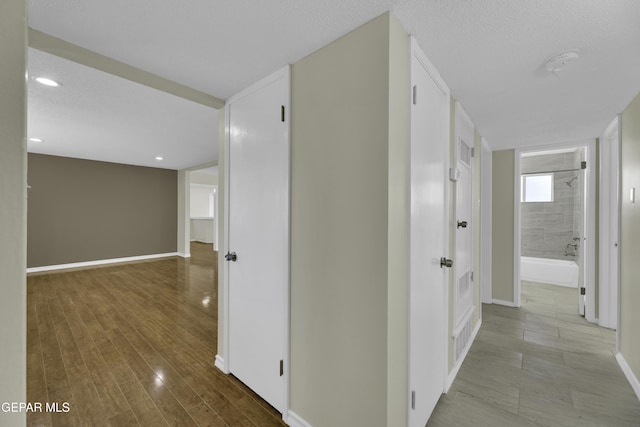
{"points": [[398, 225], [221, 226], [630, 236], [502, 233], [477, 179], [13, 213]]}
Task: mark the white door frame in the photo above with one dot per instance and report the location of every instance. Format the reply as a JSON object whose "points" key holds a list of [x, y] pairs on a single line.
{"points": [[224, 364], [464, 131], [588, 245], [609, 226]]}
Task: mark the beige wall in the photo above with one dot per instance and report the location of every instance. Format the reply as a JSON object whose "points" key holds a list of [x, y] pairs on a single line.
{"points": [[84, 210], [630, 237], [203, 178], [477, 176], [222, 214], [348, 292], [13, 169], [502, 263], [398, 226]]}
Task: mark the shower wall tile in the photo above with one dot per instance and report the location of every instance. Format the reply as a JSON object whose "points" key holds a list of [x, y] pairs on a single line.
{"points": [[547, 228]]}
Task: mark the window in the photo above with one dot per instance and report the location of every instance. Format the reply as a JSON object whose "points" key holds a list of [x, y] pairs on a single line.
{"points": [[536, 188]]}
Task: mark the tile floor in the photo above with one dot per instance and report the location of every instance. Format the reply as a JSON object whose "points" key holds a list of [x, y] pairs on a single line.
{"points": [[539, 365]]}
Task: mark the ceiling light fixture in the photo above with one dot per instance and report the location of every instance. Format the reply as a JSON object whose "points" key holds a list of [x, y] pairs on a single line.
{"points": [[36, 140], [159, 158], [559, 61], [47, 81]]}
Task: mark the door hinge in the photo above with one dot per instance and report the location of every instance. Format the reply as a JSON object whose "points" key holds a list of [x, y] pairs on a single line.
{"points": [[472, 276], [413, 399], [282, 113], [583, 291], [583, 165], [281, 367], [415, 95], [473, 152]]}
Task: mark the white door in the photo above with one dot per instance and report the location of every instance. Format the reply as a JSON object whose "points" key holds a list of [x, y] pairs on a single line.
{"points": [[463, 261], [428, 238], [258, 236], [609, 234]]}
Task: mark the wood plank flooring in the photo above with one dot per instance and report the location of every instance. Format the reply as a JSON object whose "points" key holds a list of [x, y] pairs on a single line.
{"points": [[539, 365], [134, 345]]}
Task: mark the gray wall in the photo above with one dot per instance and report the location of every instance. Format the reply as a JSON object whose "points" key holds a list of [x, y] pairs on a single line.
{"points": [[348, 213], [84, 210], [547, 227], [502, 237], [13, 294], [630, 237]]}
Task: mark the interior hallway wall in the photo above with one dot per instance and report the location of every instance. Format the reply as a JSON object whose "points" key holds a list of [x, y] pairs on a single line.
{"points": [[13, 219], [502, 237], [348, 290], [630, 236], [84, 210], [477, 224]]}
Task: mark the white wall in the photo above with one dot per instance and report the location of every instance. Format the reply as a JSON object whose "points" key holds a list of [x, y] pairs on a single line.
{"points": [[200, 201], [184, 225]]}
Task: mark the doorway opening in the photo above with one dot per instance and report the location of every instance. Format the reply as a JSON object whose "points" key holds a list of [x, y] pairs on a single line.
{"points": [[555, 216]]}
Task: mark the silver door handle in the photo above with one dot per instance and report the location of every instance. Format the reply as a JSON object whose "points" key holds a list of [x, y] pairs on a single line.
{"points": [[231, 256], [444, 262]]}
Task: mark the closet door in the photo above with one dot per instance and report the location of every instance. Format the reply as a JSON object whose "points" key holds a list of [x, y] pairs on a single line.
{"points": [[428, 238]]}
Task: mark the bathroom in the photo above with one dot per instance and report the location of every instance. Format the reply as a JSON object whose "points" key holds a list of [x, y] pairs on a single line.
{"points": [[552, 216]]}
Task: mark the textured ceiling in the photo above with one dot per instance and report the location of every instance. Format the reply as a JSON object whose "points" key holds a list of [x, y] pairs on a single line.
{"points": [[491, 53]]}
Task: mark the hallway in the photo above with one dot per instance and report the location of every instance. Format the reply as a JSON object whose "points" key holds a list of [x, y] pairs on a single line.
{"points": [[541, 364]]}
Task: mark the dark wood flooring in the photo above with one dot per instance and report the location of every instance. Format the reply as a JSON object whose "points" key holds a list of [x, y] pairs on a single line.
{"points": [[134, 345]]}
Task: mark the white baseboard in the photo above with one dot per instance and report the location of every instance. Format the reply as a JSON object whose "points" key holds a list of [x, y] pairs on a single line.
{"points": [[98, 262], [183, 255], [294, 420], [631, 377], [502, 302], [549, 282], [454, 372], [219, 363]]}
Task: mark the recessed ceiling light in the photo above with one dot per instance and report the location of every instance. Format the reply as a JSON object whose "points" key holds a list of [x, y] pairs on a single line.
{"points": [[47, 82], [159, 158], [35, 140]]}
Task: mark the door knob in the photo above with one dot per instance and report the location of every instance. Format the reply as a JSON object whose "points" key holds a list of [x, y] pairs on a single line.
{"points": [[462, 224], [231, 256], [444, 262]]}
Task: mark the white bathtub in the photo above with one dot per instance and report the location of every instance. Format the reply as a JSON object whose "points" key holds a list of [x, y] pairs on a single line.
{"points": [[553, 271]]}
